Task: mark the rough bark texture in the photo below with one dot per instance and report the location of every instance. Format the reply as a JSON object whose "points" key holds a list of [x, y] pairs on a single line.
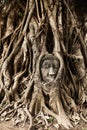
{"points": [[32, 34]]}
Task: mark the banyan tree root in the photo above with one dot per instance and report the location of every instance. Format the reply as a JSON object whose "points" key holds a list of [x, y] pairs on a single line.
{"points": [[83, 115], [31, 102], [52, 107]]}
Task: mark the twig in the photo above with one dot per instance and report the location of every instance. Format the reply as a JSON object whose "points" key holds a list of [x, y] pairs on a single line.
{"points": [[82, 117], [42, 115], [8, 106], [42, 10], [24, 18], [37, 10], [28, 18], [12, 39], [30, 117]]}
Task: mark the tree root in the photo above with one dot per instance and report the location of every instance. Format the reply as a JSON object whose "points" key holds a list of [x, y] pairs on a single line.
{"points": [[7, 107], [61, 119], [39, 102], [30, 117], [84, 118], [27, 43]]}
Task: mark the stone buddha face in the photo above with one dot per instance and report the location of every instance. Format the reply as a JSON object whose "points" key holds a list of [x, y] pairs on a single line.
{"points": [[49, 68], [85, 34]]}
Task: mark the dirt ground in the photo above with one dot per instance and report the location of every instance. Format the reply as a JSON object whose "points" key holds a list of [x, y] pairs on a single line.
{"points": [[8, 125]]}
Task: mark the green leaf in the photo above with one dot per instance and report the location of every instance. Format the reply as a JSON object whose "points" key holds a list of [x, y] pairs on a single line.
{"points": [[50, 119]]}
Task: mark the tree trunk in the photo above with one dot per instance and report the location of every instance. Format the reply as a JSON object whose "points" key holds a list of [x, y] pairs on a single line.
{"points": [[43, 63]]}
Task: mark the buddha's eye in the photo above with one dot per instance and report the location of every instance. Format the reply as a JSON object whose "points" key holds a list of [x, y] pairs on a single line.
{"points": [[55, 64], [55, 67], [46, 66]]}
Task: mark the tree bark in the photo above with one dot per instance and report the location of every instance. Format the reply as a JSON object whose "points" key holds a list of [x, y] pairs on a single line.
{"points": [[43, 31]]}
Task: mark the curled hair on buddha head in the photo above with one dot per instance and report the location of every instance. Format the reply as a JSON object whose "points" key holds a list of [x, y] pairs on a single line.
{"points": [[48, 57]]}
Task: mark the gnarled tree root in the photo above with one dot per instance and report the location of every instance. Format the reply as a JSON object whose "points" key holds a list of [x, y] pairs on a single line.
{"points": [[38, 103]]}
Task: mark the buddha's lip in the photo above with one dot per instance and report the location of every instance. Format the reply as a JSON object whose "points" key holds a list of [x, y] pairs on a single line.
{"points": [[51, 78]]}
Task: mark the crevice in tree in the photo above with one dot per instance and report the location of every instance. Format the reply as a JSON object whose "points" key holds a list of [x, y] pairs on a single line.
{"points": [[49, 40]]}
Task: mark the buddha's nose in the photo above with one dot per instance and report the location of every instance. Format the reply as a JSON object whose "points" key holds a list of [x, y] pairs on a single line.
{"points": [[51, 71]]}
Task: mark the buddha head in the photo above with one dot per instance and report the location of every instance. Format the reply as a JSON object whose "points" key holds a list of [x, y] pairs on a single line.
{"points": [[49, 68]]}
